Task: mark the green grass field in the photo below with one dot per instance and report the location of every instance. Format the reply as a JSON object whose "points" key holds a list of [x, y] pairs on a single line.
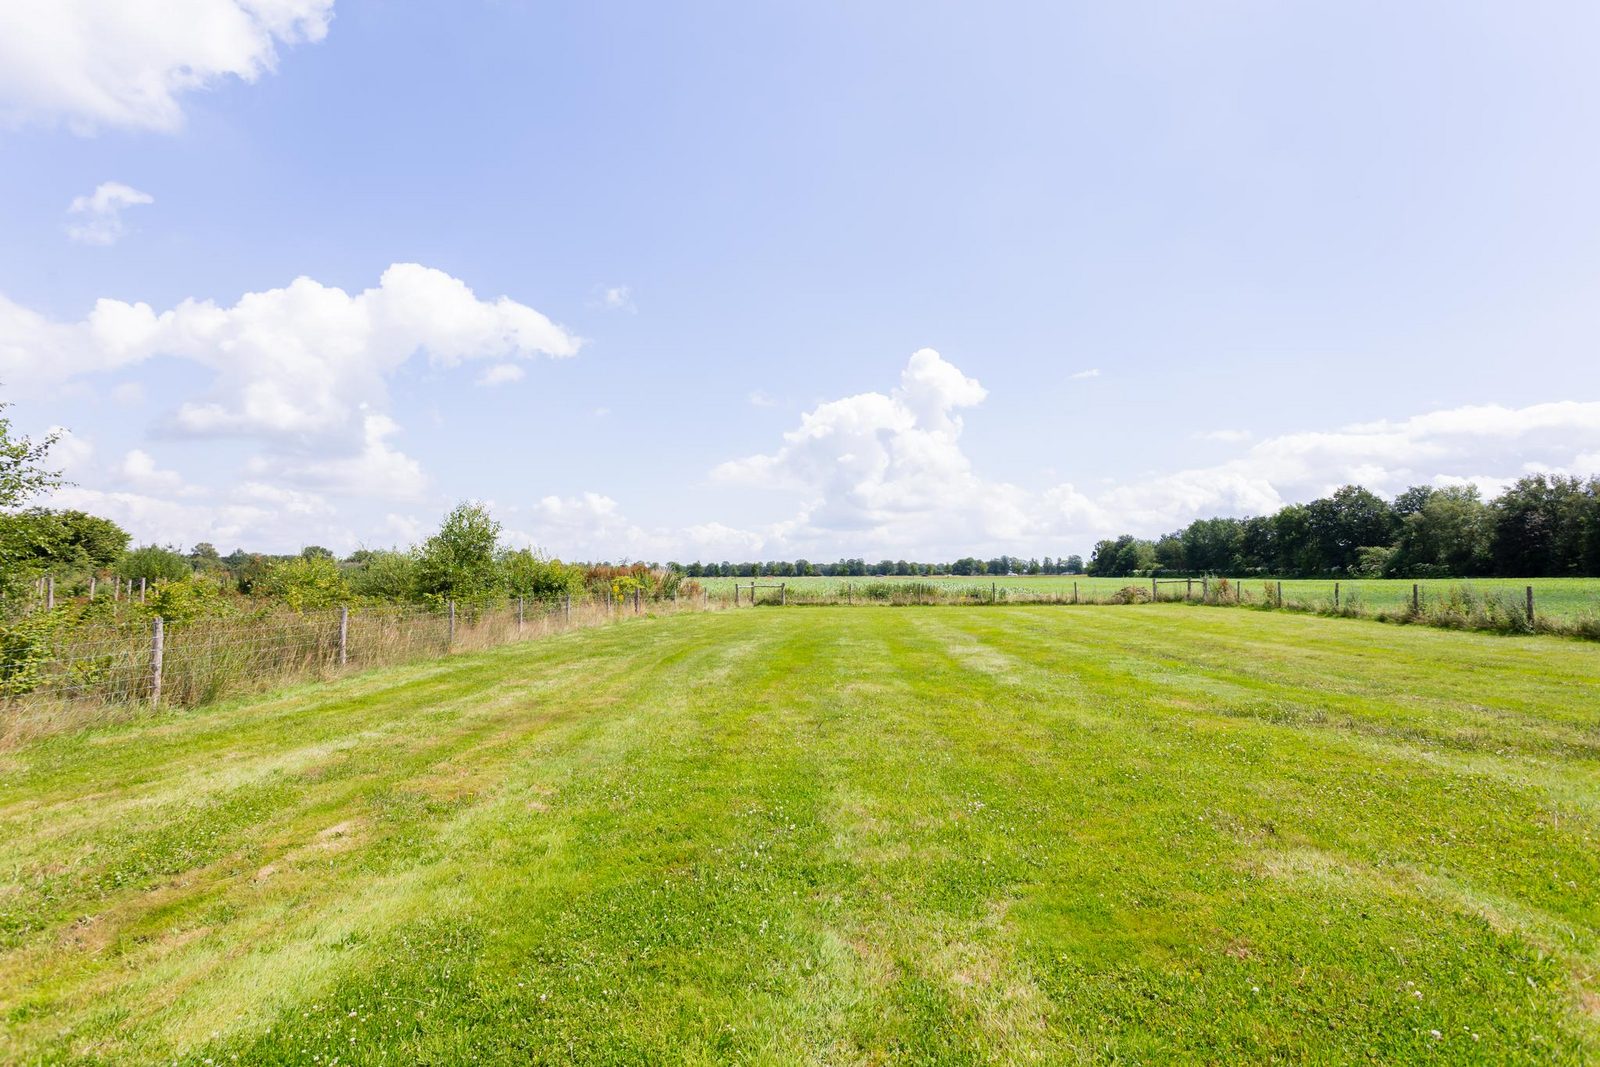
{"points": [[1139, 834], [1561, 598]]}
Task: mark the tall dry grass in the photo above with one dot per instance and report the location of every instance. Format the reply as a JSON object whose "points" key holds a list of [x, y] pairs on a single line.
{"points": [[105, 672]]}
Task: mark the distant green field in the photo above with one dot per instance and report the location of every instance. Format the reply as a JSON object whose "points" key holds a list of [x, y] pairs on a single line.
{"points": [[1143, 834], [1555, 597]]}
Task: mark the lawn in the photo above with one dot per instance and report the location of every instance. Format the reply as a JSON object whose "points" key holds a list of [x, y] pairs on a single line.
{"points": [[1558, 598], [938, 835]]}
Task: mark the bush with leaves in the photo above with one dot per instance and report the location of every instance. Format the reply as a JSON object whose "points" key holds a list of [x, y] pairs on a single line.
{"points": [[186, 600], [385, 575], [153, 563], [26, 649], [528, 574], [306, 583]]}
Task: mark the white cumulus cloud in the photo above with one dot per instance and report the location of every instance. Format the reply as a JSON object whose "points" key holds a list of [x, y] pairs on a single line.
{"points": [[92, 64], [97, 217], [887, 471], [300, 363]]}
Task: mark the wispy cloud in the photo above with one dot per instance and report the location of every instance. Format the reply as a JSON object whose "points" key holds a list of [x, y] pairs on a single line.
{"points": [[1231, 437], [97, 218], [761, 398], [1081, 375], [613, 298], [502, 374]]}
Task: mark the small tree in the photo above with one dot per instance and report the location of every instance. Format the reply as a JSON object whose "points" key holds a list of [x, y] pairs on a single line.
{"points": [[22, 473], [459, 562]]}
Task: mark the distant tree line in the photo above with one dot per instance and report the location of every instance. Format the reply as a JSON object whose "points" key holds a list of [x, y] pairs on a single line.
{"points": [[860, 568], [1541, 527]]}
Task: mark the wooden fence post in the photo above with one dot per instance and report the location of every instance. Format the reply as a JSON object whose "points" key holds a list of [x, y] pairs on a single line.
{"points": [[994, 592], [569, 607], [1188, 588], [1530, 605], [1335, 596], [736, 592], [783, 593], [158, 642], [1280, 594], [1416, 599], [50, 593], [452, 637], [344, 634], [850, 593], [1074, 592], [637, 593], [141, 590]]}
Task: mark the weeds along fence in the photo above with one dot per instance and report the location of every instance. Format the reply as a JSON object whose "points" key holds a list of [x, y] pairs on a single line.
{"points": [[52, 676]]}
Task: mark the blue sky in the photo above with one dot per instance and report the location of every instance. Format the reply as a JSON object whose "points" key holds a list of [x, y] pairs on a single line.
{"points": [[673, 263]]}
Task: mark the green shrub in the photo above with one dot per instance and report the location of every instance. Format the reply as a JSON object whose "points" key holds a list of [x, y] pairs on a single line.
{"points": [[182, 602], [384, 575], [153, 563], [26, 648], [306, 583]]}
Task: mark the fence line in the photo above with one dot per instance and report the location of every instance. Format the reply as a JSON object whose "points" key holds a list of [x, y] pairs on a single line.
{"points": [[59, 674], [144, 661]]}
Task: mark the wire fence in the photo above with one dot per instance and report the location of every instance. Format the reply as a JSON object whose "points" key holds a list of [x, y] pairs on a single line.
{"points": [[66, 674]]}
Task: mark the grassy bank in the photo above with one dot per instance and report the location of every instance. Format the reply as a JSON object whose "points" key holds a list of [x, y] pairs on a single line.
{"points": [[833, 836]]}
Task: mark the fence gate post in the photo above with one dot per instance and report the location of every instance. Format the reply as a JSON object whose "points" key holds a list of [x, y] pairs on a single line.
{"points": [[157, 654], [1530, 605], [452, 638]]}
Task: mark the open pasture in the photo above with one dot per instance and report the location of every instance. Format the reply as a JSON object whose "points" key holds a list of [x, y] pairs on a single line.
{"points": [[1561, 598], [1147, 834]]}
